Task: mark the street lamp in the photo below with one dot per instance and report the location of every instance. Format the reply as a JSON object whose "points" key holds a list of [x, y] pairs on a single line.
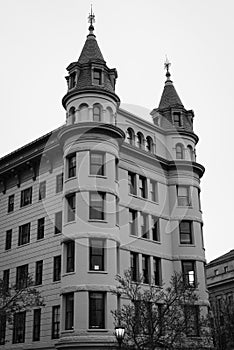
{"points": [[119, 334]]}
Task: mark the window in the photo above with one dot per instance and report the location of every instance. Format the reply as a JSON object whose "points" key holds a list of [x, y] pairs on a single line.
{"points": [[96, 310], [59, 183], [40, 228], [11, 200], [145, 268], [24, 234], [96, 255], [216, 272], [190, 152], [144, 225], [97, 76], [70, 256], [72, 114], [149, 144], [6, 278], [97, 166], [72, 80], [157, 280], [192, 320], [177, 119], [58, 223], [8, 240], [38, 272], [130, 136], [142, 186], [132, 222], [57, 268], [153, 191], [116, 169], [183, 196], [96, 205], [188, 270], [199, 199], [42, 190], [71, 207], [96, 113], [71, 161], [55, 322], [36, 324], [21, 276], [2, 329], [69, 310], [225, 269], [26, 197], [19, 327], [186, 232], [155, 228], [132, 183], [179, 151], [134, 265], [140, 140]]}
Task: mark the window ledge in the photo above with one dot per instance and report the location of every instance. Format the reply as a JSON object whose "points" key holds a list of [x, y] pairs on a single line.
{"points": [[98, 272], [98, 220], [185, 206], [22, 245], [187, 245], [150, 240], [99, 176], [25, 206], [145, 199], [56, 282], [97, 330], [68, 273], [70, 178]]}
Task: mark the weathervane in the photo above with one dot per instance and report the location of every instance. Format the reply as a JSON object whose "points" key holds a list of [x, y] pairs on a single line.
{"points": [[166, 66], [91, 20]]}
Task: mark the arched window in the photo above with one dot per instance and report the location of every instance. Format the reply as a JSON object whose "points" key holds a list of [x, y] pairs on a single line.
{"points": [[109, 115], [96, 113], [140, 140], [149, 144], [130, 136], [83, 112], [179, 151], [190, 152], [72, 114]]}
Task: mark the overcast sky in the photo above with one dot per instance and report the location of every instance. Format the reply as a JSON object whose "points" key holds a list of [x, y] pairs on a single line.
{"points": [[40, 38]]}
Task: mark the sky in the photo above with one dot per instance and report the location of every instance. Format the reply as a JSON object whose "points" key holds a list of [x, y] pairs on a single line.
{"points": [[40, 38]]}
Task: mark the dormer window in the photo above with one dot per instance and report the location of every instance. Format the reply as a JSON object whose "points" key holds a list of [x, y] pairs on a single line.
{"points": [[72, 80], [177, 119], [97, 76], [96, 113]]}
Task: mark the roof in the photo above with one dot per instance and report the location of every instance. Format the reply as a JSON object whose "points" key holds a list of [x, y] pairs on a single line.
{"points": [[169, 96], [222, 258], [90, 50]]}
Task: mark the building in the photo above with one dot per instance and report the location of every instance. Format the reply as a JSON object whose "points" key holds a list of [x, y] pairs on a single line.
{"points": [[105, 192], [220, 276]]}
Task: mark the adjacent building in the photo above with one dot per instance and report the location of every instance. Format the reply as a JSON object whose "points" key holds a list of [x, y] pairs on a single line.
{"points": [[105, 192]]}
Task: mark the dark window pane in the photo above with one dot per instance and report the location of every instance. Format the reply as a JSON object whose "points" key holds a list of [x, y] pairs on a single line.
{"points": [[96, 255], [42, 190], [71, 166], [132, 183], [70, 250], [57, 268], [97, 76], [36, 324], [55, 322], [134, 266], [155, 228], [8, 239], [145, 268], [96, 310], [2, 329], [69, 310], [132, 222], [157, 271], [26, 197], [39, 272], [185, 232], [71, 207], [21, 276], [142, 187], [11, 203], [97, 163], [59, 183], [24, 234], [188, 269], [19, 328], [96, 207], [58, 223], [40, 228]]}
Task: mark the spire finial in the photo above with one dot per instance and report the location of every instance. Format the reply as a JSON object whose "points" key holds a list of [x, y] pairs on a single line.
{"points": [[91, 20], [166, 66]]}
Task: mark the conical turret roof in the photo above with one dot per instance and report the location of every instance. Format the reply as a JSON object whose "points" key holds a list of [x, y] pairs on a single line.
{"points": [[169, 96], [90, 50]]}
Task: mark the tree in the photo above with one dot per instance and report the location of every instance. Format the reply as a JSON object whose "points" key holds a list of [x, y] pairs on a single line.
{"points": [[156, 317], [19, 297], [222, 322]]}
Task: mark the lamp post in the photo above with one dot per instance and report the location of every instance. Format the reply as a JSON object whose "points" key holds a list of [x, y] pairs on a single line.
{"points": [[119, 334]]}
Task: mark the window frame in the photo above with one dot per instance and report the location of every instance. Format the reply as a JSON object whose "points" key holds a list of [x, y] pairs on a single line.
{"points": [[132, 222], [155, 228], [24, 234], [38, 272], [183, 200], [58, 219], [177, 119], [97, 311], [57, 264], [8, 240], [69, 311], [71, 207], [196, 322], [55, 332], [134, 266], [97, 80], [97, 116], [70, 256], [132, 183], [142, 186], [157, 271], [71, 165], [26, 197], [21, 276], [42, 190], [190, 279], [99, 206], [93, 256], [19, 327], [11, 203], [179, 148], [36, 324], [154, 191], [144, 225], [59, 183], [2, 329], [186, 233], [97, 168], [40, 228], [146, 268]]}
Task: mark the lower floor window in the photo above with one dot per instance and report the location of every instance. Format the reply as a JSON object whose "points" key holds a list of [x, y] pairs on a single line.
{"points": [[19, 327], [36, 324], [192, 320], [69, 310], [96, 310], [2, 329], [55, 321]]}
